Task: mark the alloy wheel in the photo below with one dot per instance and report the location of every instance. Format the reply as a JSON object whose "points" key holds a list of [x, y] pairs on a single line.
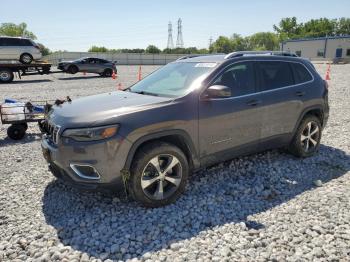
{"points": [[26, 59], [161, 177], [310, 136]]}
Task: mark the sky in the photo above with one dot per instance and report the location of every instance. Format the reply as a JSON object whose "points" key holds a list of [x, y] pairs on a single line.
{"points": [[76, 25]]}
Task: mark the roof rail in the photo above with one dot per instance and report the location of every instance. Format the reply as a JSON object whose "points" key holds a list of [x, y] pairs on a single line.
{"points": [[188, 56], [253, 53]]}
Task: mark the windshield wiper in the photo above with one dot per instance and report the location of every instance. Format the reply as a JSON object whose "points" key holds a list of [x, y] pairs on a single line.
{"points": [[144, 93]]}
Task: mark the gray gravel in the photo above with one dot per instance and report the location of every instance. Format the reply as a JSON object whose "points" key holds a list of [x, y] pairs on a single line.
{"points": [[268, 206]]}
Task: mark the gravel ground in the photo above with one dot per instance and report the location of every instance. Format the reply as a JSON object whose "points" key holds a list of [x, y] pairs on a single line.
{"points": [[268, 206]]}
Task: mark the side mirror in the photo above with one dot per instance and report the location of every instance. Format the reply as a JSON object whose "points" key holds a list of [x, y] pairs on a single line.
{"points": [[217, 91]]}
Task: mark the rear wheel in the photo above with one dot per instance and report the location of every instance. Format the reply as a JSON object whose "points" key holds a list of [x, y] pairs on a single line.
{"points": [[73, 69], [107, 73], [158, 175], [26, 58], [307, 139], [16, 131], [6, 76]]}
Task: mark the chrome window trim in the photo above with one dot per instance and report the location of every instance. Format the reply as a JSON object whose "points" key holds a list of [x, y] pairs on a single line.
{"points": [[258, 92], [72, 166]]}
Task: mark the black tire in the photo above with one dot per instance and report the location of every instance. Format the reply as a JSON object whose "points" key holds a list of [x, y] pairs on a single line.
{"points": [[306, 143], [73, 69], [16, 131], [41, 125], [6, 76], [142, 162], [107, 73], [25, 125], [26, 58]]}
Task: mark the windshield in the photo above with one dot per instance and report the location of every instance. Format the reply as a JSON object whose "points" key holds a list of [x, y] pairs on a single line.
{"points": [[173, 80]]}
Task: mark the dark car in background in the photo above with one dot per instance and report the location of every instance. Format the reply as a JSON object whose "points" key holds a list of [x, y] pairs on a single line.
{"points": [[89, 65], [189, 114]]}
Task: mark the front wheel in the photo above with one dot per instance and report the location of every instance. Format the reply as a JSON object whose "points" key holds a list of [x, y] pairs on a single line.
{"points": [[158, 175], [73, 69], [307, 138], [107, 73]]}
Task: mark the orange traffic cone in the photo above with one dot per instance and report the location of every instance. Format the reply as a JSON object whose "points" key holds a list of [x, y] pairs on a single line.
{"points": [[328, 72], [140, 76], [114, 75]]}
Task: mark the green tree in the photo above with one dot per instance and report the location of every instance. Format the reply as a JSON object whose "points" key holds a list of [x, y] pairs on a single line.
{"points": [[99, 49], [11, 29], [288, 28], [264, 41], [44, 49], [319, 28], [152, 49], [222, 45], [343, 26], [240, 43]]}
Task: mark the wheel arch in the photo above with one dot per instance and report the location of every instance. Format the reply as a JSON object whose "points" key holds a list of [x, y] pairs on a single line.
{"points": [[316, 110], [178, 138]]}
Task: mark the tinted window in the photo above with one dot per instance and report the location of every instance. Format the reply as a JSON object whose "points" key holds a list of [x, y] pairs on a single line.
{"points": [[25, 42], [2, 41], [275, 74], [239, 77], [301, 73], [13, 42]]}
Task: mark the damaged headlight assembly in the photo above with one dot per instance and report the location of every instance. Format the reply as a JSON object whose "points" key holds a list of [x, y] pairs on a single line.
{"points": [[91, 134]]}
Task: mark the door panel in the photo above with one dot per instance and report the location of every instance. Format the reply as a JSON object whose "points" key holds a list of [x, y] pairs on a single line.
{"points": [[282, 97], [226, 124]]}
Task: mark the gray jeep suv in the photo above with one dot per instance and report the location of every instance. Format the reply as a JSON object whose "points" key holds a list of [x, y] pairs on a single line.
{"points": [[189, 114]]}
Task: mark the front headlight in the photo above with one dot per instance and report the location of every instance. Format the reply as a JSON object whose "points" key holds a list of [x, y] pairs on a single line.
{"points": [[91, 134]]}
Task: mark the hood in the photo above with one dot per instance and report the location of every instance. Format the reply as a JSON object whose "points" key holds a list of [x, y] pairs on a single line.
{"points": [[101, 109]]}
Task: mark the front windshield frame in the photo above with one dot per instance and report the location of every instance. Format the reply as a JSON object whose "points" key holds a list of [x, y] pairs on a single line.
{"points": [[204, 70]]}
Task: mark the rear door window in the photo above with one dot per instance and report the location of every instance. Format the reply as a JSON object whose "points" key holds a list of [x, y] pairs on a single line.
{"points": [[275, 74], [240, 77], [301, 74]]}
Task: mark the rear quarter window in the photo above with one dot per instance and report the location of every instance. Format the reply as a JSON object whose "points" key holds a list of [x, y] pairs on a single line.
{"points": [[301, 74], [275, 74]]}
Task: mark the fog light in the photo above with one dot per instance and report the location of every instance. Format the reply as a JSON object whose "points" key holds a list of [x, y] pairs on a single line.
{"points": [[85, 171]]}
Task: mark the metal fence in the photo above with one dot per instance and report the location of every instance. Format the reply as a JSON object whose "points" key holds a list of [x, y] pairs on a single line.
{"points": [[121, 58]]}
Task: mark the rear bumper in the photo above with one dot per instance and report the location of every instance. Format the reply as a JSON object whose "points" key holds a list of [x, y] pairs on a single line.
{"points": [[37, 56]]}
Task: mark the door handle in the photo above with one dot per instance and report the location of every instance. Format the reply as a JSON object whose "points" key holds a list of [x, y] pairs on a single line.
{"points": [[300, 93], [253, 102]]}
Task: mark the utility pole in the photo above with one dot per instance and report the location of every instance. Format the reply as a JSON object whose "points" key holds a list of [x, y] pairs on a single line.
{"points": [[179, 40], [170, 44]]}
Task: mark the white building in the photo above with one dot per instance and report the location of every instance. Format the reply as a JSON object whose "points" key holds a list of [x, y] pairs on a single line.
{"points": [[322, 48]]}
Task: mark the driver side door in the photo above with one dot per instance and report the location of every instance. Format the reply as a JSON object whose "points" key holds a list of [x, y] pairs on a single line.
{"points": [[230, 126]]}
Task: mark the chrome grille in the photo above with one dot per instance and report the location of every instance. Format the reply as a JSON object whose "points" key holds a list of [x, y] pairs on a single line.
{"points": [[53, 131]]}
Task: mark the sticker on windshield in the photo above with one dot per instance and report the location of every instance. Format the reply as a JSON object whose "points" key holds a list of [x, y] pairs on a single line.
{"points": [[205, 65]]}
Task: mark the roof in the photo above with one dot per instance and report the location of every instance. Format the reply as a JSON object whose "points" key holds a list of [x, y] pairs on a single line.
{"points": [[18, 37], [317, 38], [219, 58]]}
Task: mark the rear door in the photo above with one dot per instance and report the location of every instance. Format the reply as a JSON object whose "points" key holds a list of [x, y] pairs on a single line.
{"points": [[230, 126], [283, 88], [14, 48]]}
